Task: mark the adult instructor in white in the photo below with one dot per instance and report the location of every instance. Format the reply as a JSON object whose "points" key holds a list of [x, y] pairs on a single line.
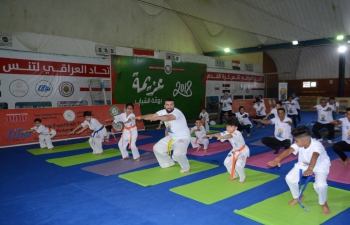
{"points": [[178, 139]]}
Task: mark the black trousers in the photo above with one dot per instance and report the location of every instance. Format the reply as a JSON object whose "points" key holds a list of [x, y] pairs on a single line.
{"points": [[275, 144], [340, 148], [294, 119], [299, 117], [259, 118], [318, 126], [244, 127], [223, 112]]}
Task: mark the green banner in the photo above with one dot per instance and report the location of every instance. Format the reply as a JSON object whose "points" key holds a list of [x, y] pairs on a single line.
{"points": [[150, 81]]}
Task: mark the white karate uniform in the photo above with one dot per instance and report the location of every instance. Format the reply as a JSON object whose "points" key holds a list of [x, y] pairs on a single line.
{"points": [[129, 135], [97, 136], [320, 170], [45, 136], [237, 142], [196, 141], [179, 132], [205, 117]]}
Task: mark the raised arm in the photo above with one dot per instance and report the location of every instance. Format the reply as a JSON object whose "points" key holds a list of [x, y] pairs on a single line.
{"points": [[284, 154], [26, 131]]}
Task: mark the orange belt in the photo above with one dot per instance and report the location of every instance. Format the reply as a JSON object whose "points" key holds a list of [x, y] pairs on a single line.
{"points": [[234, 159], [129, 129]]}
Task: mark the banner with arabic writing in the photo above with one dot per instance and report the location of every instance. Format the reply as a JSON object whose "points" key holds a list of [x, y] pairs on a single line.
{"points": [[33, 80], [150, 81]]}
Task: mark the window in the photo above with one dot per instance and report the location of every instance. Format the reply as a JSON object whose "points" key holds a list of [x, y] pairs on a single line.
{"points": [[309, 84]]}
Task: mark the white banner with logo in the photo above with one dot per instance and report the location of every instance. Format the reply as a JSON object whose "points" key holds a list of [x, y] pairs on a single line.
{"points": [[282, 91], [33, 80]]}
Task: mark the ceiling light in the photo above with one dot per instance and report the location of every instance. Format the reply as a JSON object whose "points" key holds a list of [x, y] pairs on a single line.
{"points": [[342, 49], [340, 37], [295, 42], [227, 50]]}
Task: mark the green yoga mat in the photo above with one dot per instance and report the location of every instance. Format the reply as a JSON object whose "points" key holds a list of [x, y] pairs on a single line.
{"points": [[210, 132], [276, 210], [84, 158], [62, 148], [202, 191], [159, 175], [218, 125]]}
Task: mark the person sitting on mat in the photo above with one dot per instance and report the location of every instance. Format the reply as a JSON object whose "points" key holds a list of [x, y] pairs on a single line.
{"points": [[201, 136], [109, 133], [129, 133], [97, 136], [244, 122], [312, 159], [237, 157], [45, 136], [282, 131], [259, 106], [344, 145], [324, 114]]}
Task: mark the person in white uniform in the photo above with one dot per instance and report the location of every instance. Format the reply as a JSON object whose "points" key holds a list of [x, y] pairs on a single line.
{"points": [[260, 108], [244, 122], [98, 134], [283, 135], [205, 118], [344, 145], [324, 113], [129, 134], [201, 136], [237, 157], [312, 159], [46, 134], [226, 106], [292, 110], [274, 110], [297, 105], [178, 137], [335, 109]]}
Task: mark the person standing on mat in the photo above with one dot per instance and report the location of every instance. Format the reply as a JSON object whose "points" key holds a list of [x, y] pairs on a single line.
{"points": [[178, 137], [312, 159], [344, 145], [292, 110], [335, 109], [226, 106], [259, 107], [201, 136], [97, 136], [45, 136], [297, 105], [129, 133], [237, 157], [282, 131], [324, 112], [205, 118]]}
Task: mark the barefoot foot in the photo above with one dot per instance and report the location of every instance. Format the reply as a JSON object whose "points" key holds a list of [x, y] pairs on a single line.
{"points": [[346, 162], [50, 149], [138, 159], [231, 179], [325, 209], [295, 201], [248, 135], [126, 158], [101, 153], [241, 182], [187, 171], [198, 148]]}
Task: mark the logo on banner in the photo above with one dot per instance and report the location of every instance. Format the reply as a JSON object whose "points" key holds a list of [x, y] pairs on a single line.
{"points": [[167, 69], [20, 117], [66, 89], [217, 88], [69, 115], [117, 126], [283, 94], [19, 88], [43, 88], [209, 88], [114, 111]]}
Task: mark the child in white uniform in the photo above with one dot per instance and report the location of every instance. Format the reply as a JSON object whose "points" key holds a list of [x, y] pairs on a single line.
{"points": [[312, 159], [201, 136], [97, 136], [45, 134], [205, 119], [129, 135], [237, 157]]}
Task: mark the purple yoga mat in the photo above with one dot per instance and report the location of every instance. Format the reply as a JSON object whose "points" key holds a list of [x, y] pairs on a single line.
{"points": [[120, 166], [258, 142], [114, 142], [338, 172], [261, 160], [213, 148], [147, 147]]}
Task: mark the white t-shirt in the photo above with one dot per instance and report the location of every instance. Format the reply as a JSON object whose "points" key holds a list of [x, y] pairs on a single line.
{"points": [[274, 112], [323, 162], [258, 108], [41, 129], [291, 108], [333, 106], [282, 129], [237, 141], [345, 130], [324, 116], [93, 125], [243, 118], [176, 128], [123, 118], [226, 106], [204, 116], [296, 99], [199, 134]]}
